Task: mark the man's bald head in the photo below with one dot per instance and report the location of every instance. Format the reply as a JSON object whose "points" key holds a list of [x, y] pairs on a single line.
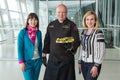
{"points": [[61, 12], [62, 6]]}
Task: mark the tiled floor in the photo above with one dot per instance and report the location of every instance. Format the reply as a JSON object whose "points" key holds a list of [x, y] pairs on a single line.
{"points": [[9, 67]]}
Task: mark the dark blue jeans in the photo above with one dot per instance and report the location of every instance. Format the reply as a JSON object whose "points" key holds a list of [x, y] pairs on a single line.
{"points": [[86, 68]]}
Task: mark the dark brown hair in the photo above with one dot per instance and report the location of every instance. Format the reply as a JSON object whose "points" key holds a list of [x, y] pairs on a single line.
{"points": [[31, 16]]}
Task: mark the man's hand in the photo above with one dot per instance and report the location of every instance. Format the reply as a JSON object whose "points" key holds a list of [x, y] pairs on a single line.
{"points": [[70, 51], [44, 61]]}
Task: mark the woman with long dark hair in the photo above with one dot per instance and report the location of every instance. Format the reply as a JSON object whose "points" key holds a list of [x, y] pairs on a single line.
{"points": [[30, 48]]}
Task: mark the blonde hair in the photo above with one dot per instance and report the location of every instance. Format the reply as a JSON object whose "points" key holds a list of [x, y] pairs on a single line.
{"points": [[86, 15]]}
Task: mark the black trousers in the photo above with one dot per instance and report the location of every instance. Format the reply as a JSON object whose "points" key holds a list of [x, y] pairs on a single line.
{"points": [[59, 70]]}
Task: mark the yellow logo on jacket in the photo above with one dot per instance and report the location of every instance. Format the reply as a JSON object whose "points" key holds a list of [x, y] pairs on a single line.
{"points": [[65, 40]]}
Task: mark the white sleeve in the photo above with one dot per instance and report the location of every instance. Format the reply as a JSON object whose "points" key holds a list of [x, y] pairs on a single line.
{"points": [[100, 48]]}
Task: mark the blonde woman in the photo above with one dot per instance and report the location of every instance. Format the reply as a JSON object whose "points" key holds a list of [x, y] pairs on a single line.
{"points": [[92, 48]]}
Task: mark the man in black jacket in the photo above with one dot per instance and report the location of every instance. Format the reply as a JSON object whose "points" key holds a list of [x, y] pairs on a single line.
{"points": [[61, 42]]}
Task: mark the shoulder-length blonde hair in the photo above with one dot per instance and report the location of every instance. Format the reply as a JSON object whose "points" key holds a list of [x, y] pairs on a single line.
{"points": [[86, 15]]}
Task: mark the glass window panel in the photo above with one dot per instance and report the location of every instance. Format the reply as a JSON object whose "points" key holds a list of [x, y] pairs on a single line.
{"points": [[23, 6], [30, 6], [51, 9], [0, 23], [25, 16], [73, 10], [10, 36], [2, 4], [16, 32], [7, 29], [43, 16], [5, 17], [2, 34], [113, 11], [0, 30], [16, 19], [118, 10], [13, 5]]}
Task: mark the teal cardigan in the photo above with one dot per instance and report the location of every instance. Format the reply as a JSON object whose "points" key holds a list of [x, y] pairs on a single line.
{"points": [[26, 47]]}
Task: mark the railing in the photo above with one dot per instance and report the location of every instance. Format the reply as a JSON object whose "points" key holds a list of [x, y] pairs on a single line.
{"points": [[112, 35], [8, 47]]}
